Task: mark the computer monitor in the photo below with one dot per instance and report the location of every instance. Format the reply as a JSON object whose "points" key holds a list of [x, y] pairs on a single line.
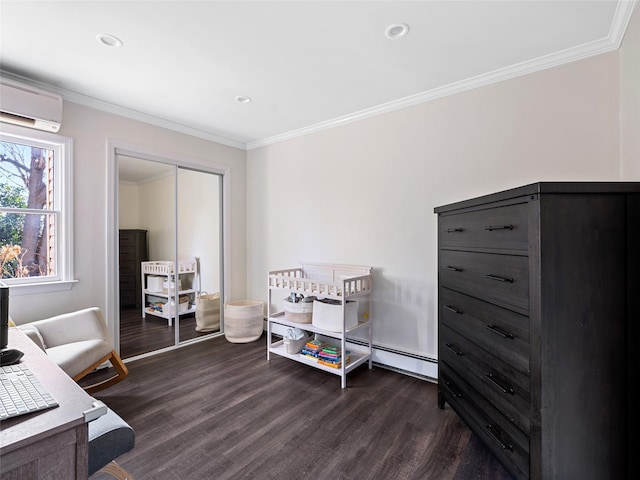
{"points": [[4, 316]]}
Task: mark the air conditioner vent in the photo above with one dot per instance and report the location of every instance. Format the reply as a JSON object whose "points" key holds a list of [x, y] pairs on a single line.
{"points": [[29, 106]]}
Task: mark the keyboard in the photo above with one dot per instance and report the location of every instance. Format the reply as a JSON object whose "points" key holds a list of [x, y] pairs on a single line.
{"points": [[21, 392]]}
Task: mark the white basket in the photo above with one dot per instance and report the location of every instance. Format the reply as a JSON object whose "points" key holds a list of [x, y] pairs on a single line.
{"points": [[329, 317], [243, 321], [294, 346], [207, 312], [300, 312], [170, 286], [154, 283], [169, 308]]}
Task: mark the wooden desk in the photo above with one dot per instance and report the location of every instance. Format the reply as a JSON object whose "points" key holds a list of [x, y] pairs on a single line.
{"points": [[51, 443]]}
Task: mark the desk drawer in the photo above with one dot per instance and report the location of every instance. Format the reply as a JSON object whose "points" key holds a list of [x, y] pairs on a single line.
{"points": [[503, 438], [498, 330], [503, 279], [496, 228], [506, 388]]}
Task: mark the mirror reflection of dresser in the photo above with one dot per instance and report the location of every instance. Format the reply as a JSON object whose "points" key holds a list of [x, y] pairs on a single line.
{"points": [[133, 251]]}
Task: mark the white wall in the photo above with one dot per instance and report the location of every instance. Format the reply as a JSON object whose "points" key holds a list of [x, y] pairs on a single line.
{"points": [[364, 193], [630, 100], [157, 214], [91, 129], [128, 211]]}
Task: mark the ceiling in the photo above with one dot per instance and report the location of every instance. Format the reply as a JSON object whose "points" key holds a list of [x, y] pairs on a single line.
{"points": [[306, 65]]}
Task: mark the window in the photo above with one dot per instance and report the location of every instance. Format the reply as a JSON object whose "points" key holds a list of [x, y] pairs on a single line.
{"points": [[35, 215]]}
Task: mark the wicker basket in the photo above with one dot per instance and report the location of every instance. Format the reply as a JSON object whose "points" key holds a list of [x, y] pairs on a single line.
{"points": [[301, 312], [243, 321]]}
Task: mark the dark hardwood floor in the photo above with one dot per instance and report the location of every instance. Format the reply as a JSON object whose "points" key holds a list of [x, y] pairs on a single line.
{"points": [[220, 410], [142, 335]]}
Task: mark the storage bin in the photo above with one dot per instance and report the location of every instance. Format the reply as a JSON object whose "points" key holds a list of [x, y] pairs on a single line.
{"points": [[300, 312], [243, 321], [328, 316], [183, 305], [294, 346], [169, 287], [154, 283], [208, 312]]}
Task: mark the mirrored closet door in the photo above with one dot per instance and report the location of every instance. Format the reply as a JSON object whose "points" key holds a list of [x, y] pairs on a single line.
{"points": [[170, 254], [199, 229]]}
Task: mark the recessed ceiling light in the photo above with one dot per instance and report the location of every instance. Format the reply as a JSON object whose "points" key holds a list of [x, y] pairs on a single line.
{"points": [[243, 99], [396, 30], [109, 40]]}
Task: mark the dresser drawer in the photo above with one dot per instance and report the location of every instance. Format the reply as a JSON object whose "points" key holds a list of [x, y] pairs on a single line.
{"points": [[128, 282], [504, 439], [495, 228], [506, 388], [500, 331], [502, 279], [128, 297], [127, 254], [128, 239], [129, 268]]}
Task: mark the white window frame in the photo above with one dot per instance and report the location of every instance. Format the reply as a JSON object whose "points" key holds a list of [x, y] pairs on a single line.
{"points": [[63, 199]]}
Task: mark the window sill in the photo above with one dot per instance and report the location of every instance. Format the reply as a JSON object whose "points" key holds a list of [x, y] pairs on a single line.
{"points": [[45, 287]]}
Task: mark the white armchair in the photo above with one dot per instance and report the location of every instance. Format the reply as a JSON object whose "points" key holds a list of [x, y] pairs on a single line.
{"points": [[78, 342]]}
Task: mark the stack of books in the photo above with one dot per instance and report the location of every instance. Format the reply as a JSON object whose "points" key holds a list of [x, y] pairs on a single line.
{"points": [[331, 356], [325, 353], [312, 348]]}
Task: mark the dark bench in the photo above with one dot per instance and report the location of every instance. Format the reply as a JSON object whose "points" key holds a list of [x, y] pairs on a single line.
{"points": [[109, 437]]}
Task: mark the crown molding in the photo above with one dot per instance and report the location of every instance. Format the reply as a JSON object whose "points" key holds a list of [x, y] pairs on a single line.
{"points": [[619, 23], [622, 15], [108, 107]]}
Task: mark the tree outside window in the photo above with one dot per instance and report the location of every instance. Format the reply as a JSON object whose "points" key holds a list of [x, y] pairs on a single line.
{"points": [[36, 230], [26, 171]]}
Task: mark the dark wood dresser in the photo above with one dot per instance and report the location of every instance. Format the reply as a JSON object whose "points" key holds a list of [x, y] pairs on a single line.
{"points": [[538, 312], [133, 251]]}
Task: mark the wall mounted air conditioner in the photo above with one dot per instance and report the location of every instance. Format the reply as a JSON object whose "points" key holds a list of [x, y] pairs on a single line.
{"points": [[29, 106]]}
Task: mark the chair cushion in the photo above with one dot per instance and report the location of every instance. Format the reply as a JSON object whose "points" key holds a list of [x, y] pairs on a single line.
{"points": [[75, 357], [87, 324], [109, 437]]}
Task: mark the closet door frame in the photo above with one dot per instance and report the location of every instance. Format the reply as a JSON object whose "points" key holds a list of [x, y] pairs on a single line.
{"points": [[115, 148]]}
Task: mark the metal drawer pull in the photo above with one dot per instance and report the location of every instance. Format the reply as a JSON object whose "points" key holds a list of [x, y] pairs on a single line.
{"points": [[498, 330], [494, 435], [453, 309], [497, 383], [491, 228], [455, 269], [498, 278], [452, 347], [452, 391], [454, 230]]}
